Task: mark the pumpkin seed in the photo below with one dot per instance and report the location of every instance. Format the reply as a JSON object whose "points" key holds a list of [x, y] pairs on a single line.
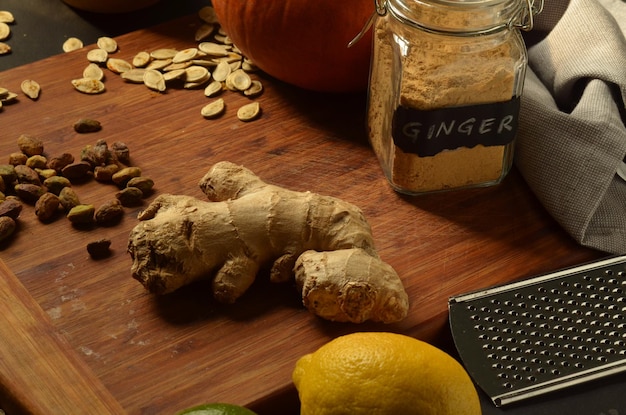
{"points": [[177, 66], [185, 55], [153, 79], [31, 88], [134, 75], [118, 65], [93, 71], [256, 89], [97, 55], [204, 62], [204, 31], [249, 66], [4, 48], [141, 59], [213, 89], [6, 17], [238, 80], [221, 72], [213, 49], [197, 74], [223, 38], [88, 86], [107, 43], [163, 53], [3, 92], [9, 98], [159, 64], [175, 74], [71, 44], [5, 31], [249, 111], [213, 109], [207, 14]]}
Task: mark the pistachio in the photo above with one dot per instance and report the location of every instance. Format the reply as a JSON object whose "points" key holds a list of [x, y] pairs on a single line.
{"points": [[68, 198], [37, 162], [81, 215], [26, 174], [129, 196], [29, 192], [17, 158], [77, 170], [47, 206], [7, 228], [105, 174], [110, 213], [59, 162], [144, 184], [8, 174], [122, 177], [11, 207], [99, 249], [55, 184], [87, 125], [30, 145], [121, 152]]}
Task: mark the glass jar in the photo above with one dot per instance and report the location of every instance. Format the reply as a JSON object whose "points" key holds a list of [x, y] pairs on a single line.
{"points": [[445, 85]]}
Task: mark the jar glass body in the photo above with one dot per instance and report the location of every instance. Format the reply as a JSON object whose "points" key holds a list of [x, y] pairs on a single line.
{"points": [[445, 83]]}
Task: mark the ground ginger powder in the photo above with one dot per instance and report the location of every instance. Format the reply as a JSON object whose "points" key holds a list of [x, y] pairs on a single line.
{"points": [[439, 72]]}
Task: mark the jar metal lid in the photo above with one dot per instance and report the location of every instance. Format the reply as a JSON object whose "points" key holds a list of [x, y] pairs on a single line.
{"points": [[463, 17]]}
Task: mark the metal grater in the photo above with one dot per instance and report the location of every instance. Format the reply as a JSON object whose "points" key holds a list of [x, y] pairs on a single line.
{"points": [[544, 333]]}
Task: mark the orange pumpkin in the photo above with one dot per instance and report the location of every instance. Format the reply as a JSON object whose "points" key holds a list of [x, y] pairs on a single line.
{"points": [[302, 42]]}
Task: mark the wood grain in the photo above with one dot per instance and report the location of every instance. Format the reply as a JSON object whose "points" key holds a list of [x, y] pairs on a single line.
{"points": [[39, 371], [158, 355]]}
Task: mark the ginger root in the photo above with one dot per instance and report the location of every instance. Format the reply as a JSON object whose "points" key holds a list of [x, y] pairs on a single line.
{"points": [[247, 224]]}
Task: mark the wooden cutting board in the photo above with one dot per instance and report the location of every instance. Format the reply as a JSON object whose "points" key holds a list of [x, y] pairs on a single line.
{"points": [[158, 355]]}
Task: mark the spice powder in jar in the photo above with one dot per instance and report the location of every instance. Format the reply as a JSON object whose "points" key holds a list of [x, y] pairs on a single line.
{"points": [[445, 84]]}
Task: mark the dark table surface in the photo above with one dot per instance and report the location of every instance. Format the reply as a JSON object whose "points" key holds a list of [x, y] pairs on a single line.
{"points": [[41, 27]]}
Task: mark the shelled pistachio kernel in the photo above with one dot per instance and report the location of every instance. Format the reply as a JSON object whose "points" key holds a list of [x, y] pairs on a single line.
{"points": [[81, 214]]}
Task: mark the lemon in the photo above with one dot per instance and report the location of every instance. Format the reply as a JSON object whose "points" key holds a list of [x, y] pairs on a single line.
{"points": [[383, 374], [217, 409]]}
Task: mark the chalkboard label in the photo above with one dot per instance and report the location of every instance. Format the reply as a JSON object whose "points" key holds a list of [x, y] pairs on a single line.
{"points": [[427, 133]]}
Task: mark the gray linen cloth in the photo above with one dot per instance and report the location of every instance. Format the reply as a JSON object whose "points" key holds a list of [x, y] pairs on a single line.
{"points": [[572, 138]]}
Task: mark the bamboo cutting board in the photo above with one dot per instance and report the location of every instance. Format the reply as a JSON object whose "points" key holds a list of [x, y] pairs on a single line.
{"points": [[158, 355]]}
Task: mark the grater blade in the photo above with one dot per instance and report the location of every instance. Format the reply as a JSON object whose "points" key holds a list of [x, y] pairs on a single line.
{"points": [[545, 333]]}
